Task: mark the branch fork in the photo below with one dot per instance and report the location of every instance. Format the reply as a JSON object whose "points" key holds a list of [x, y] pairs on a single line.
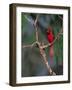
{"points": [[42, 46]]}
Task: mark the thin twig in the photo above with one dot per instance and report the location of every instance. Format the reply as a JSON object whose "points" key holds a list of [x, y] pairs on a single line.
{"points": [[61, 33], [60, 17], [26, 46], [36, 34], [49, 44], [30, 45], [29, 20], [36, 20], [42, 46]]}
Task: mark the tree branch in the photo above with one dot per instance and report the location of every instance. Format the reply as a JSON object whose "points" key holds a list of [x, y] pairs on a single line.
{"points": [[44, 46], [30, 45], [60, 33], [60, 17], [29, 20], [41, 46], [43, 54]]}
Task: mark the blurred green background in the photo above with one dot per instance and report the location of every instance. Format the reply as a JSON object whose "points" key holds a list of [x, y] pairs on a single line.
{"points": [[31, 60]]}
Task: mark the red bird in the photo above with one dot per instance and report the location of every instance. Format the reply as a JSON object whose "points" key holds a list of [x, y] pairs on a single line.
{"points": [[50, 38]]}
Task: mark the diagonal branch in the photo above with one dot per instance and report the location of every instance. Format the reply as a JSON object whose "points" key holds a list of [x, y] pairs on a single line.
{"points": [[60, 17], [29, 20], [36, 20], [44, 46], [41, 46], [43, 54], [60, 33]]}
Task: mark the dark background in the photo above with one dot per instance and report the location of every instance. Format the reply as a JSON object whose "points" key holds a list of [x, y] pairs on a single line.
{"points": [[32, 62]]}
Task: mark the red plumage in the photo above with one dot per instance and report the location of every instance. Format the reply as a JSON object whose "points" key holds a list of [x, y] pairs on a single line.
{"points": [[50, 38]]}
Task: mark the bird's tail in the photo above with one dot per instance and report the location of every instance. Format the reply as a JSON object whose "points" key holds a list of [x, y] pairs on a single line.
{"points": [[51, 54]]}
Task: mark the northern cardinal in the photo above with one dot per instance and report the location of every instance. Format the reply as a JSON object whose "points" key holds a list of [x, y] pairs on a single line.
{"points": [[50, 38]]}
